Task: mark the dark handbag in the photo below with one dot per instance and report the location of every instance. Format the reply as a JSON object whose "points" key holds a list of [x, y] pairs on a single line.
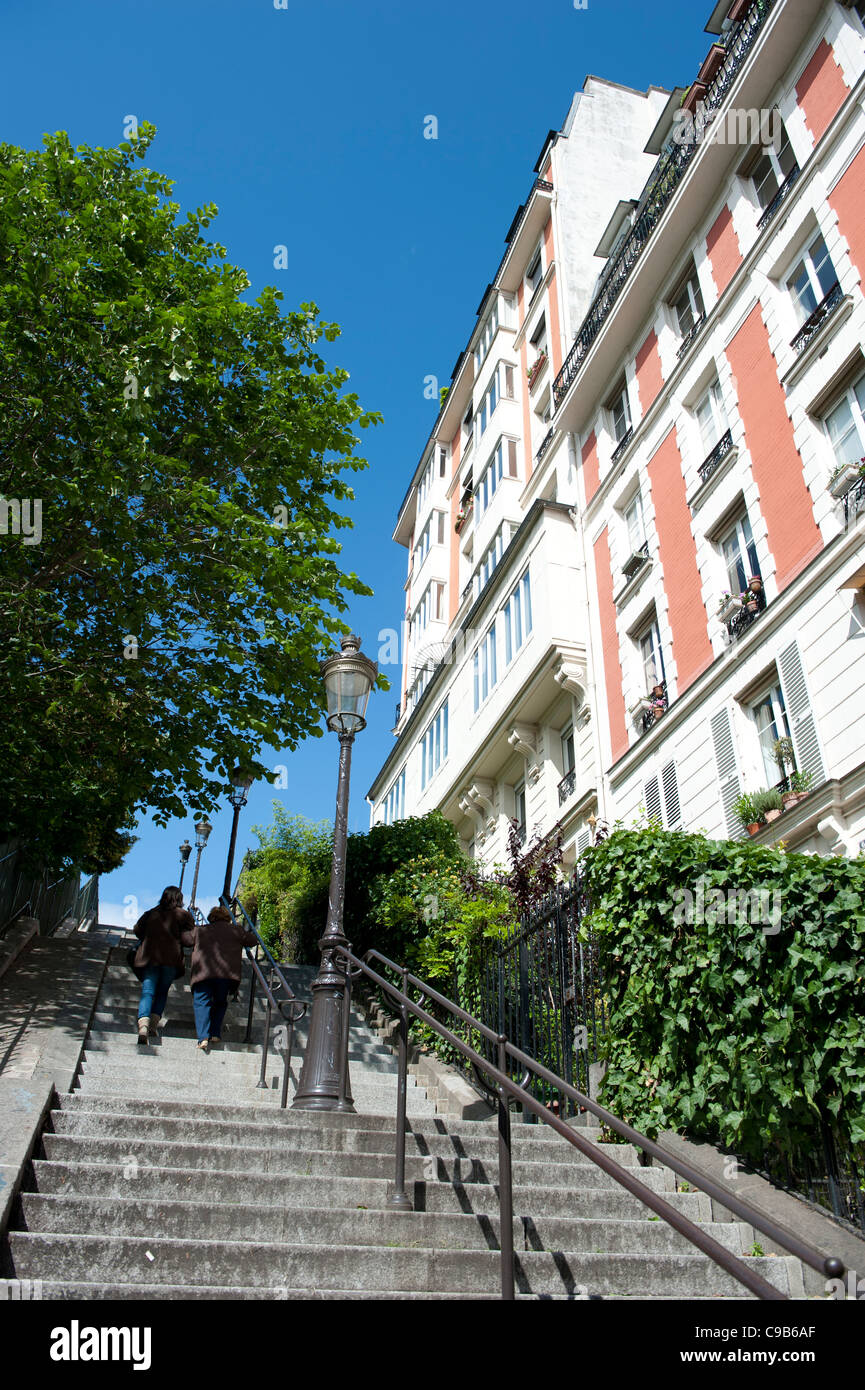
{"points": [[130, 961]]}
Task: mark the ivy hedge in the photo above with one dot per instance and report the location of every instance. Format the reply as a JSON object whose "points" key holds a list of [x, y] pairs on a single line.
{"points": [[735, 983]]}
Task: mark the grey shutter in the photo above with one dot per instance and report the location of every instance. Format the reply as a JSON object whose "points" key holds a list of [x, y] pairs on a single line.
{"points": [[584, 839], [728, 775], [653, 800], [802, 725], [670, 783]]}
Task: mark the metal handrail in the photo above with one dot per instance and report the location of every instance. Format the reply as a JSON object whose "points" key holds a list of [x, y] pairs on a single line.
{"points": [[507, 1090]]}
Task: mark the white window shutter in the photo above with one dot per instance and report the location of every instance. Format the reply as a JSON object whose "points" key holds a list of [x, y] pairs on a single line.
{"points": [[670, 784], [728, 774], [584, 839], [799, 712], [653, 800]]}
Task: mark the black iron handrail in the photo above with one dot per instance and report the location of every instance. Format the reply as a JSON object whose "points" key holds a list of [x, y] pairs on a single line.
{"points": [[622, 444], [828, 304], [508, 1090], [713, 459], [690, 336], [779, 197]]}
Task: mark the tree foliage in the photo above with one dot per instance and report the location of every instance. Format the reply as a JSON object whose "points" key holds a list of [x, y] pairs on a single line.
{"points": [[188, 451], [736, 979]]}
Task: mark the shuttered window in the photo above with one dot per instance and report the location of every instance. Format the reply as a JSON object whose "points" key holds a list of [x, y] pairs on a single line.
{"points": [[670, 786], [800, 714], [728, 773], [653, 800]]}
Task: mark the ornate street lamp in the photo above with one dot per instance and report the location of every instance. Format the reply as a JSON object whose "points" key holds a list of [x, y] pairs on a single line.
{"points": [[202, 833], [241, 781], [185, 851], [324, 1080]]}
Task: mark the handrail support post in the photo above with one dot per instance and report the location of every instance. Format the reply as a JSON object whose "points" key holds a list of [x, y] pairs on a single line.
{"points": [[399, 1199]]}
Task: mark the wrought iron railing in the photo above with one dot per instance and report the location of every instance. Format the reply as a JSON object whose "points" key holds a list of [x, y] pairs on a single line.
{"points": [[544, 444], [635, 562], [622, 444], [49, 900], [854, 501], [828, 304], [779, 197], [660, 189], [689, 337], [567, 786], [828, 1172], [741, 621], [716, 457]]}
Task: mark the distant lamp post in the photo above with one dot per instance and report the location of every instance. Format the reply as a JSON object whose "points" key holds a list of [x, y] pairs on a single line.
{"points": [[241, 781], [324, 1080], [202, 834], [185, 851]]}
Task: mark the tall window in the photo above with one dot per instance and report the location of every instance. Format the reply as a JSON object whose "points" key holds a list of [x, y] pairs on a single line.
{"points": [[394, 802], [770, 168], [488, 332], [620, 412], [845, 424], [651, 656], [490, 559], [503, 463], [812, 278], [433, 533], [636, 525], [434, 745], [711, 418], [568, 758], [520, 809], [740, 555], [538, 339], [429, 610], [518, 618], [688, 303], [484, 672], [425, 483], [534, 276], [769, 713]]}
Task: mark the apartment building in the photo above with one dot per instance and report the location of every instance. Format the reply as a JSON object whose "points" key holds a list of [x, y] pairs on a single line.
{"points": [[636, 550]]}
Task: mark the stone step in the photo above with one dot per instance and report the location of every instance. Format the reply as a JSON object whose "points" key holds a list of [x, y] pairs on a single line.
{"points": [[244, 1134], [135, 1173], [282, 1159], [111, 1043], [329, 1226], [154, 1261], [215, 1089], [175, 1293]]}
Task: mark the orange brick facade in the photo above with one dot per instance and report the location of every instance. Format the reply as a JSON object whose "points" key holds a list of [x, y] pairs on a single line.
{"points": [[610, 646], [649, 375], [591, 469], [722, 245], [785, 501], [846, 201], [692, 650], [820, 90]]}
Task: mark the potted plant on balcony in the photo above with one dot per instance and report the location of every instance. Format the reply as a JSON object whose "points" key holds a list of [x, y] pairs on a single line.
{"points": [[754, 598], [767, 804], [747, 812], [729, 606], [801, 783], [782, 752], [845, 476], [658, 701]]}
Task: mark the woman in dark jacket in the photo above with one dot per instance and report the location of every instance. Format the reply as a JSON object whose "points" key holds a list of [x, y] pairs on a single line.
{"points": [[217, 958], [159, 959]]}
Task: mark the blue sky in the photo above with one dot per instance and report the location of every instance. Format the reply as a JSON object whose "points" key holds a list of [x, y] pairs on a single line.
{"points": [[305, 125]]}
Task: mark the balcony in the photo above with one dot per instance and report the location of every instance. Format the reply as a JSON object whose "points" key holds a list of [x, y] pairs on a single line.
{"points": [[854, 502], [690, 336], [398, 712], [827, 306], [716, 457], [544, 444], [667, 175], [746, 616], [567, 786], [635, 562], [535, 370], [622, 444], [778, 198]]}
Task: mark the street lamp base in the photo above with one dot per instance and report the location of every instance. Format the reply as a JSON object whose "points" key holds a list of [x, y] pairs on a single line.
{"points": [[399, 1203], [338, 1105]]}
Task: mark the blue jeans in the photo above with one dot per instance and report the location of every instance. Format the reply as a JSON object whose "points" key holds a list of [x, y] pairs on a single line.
{"points": [[155, 984], [210, 1000]]}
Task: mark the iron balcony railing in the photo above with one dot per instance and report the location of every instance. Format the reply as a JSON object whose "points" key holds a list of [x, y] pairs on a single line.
{"points": [[779, 197], [854, 501], [496, 1062], [544, 444], [667, 175], [567, 786], [689, 337], [716, 457], [622, 444], [827, 306], [741, 621], [635, 562]]}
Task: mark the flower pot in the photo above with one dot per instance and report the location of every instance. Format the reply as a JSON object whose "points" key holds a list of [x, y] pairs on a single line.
{"points": [[754, 827], [752, 605], [844, 480], [789, 799], [729, 610], [772, 815]]}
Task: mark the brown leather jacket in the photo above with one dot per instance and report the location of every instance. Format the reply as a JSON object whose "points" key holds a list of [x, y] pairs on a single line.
{"points": [[217, 950], [160, 932]]}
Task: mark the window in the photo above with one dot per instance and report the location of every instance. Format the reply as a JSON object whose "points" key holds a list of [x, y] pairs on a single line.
{"points": [[711, 418], [688, 303], [432, 534], [620, 412], [430, 609], [568, 759], [506, 381], [769, 713], [425, 482], [468, 429], [394, 802], [662, 798], [434, 745], [635, 525], [812, 279], [488, 404], [652, 657], [518, 618], [488, 332], [503, 463], [484, 672], [534, 276], [769, 168], [490, 559], [538, 339], [443, 462], [845, 425], [520, 809], [740, 555]]}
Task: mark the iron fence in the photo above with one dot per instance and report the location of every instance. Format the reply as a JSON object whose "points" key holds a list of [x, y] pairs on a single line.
{"points": [[49, 900]]}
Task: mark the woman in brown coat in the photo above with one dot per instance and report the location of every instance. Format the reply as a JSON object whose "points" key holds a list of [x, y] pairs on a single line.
{"points": [[217, 958], [158, 961]]}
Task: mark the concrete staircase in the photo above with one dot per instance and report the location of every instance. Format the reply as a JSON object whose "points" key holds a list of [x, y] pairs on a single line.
{"points": [[165, 1174]]}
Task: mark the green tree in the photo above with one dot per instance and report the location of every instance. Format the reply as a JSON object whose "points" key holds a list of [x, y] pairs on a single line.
{"points": [[177, 456]]}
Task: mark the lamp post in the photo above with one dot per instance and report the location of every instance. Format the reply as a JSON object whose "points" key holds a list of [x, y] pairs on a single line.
{"points": [[202, 832], [185, 851], [241, 781], [324, 1080]]}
